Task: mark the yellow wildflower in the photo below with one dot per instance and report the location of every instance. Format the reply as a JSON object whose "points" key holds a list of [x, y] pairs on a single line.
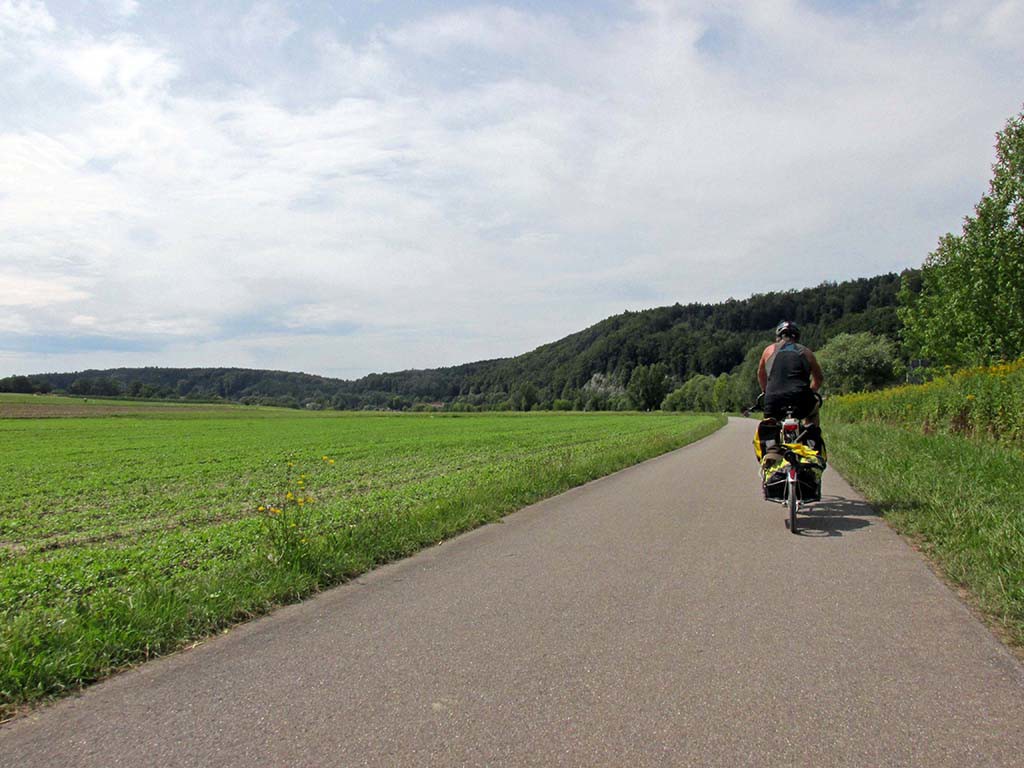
{"points": [[261, 509]]}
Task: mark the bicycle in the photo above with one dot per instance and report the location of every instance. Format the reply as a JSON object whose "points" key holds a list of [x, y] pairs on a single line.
{"points": [[793, 455]]}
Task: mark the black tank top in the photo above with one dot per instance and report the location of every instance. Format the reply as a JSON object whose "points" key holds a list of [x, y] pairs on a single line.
{"points": [[789, 372]]}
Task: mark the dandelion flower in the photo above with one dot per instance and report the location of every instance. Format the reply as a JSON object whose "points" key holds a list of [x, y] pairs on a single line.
{"points": [[330, 461], [289, 495], [261, 509]]}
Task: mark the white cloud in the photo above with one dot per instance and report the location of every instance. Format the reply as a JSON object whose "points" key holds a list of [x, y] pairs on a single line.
{"points": [[495, 29], [476, 182], [121, 65], [28, 18], [1004, 25], [266, 23], [17, 291], [123, 8]]}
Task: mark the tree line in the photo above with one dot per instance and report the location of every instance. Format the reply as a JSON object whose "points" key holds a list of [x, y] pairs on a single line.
{"points": [[622, 362]]}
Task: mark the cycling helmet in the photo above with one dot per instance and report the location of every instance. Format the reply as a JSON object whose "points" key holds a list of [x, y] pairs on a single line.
{"points": [[788, 328]]}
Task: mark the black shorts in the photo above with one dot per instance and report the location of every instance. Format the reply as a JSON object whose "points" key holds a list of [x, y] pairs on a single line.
{"points": [[803, 402]]}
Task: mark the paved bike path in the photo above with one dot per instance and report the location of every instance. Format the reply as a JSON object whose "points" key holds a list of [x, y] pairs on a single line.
{"points": [[661, 616]]}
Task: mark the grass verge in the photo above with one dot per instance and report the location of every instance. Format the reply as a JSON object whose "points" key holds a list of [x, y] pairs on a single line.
{"points": [[51, 650], [960, 500]]}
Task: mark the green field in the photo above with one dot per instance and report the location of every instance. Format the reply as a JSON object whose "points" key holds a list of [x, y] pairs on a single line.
{"points": [[128, 529]]}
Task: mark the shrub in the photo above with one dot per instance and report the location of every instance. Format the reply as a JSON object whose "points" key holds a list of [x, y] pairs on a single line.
{"points": [[854, 362]]}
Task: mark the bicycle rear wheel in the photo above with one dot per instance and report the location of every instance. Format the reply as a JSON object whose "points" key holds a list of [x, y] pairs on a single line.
{"points": [[791, 499]]}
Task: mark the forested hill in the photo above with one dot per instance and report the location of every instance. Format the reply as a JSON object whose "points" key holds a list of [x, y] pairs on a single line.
{"points": [[708, 339], [699, 338]]}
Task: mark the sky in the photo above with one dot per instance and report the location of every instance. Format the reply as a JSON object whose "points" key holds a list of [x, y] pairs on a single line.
{"points": [[375, 185]]}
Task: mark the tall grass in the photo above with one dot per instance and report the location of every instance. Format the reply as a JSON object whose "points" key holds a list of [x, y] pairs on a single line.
{"points": [[978, 402]]}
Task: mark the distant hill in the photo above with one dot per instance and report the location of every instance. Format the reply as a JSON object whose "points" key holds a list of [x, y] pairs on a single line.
{"points": [[693, 339]]}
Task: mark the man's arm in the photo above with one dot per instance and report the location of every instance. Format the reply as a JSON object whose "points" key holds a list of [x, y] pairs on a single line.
{"points": [[762, 371], [817, 375]]}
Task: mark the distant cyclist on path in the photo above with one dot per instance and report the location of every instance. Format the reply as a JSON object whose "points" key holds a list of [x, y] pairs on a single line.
{"points": [[789, 375]]}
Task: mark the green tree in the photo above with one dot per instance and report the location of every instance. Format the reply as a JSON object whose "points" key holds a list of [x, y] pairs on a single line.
{"points": [[524, 397], [673, 401], [742, 389], [648, 386], [719, 393], [20, 384], [81, 387], [696, 394], [854, 362], [969, 306]]}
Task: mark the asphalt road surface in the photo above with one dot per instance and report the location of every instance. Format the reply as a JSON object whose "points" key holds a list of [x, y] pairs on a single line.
{"points": [[662, 616]]}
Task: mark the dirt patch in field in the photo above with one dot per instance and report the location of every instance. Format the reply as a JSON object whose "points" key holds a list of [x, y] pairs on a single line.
{"points": [[85, 410], [131, 536]]}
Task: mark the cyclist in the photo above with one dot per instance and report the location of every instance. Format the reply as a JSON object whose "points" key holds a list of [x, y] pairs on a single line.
{"points": [[789, 375]]}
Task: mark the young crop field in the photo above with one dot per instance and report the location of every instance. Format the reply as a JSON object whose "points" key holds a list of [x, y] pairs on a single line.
{"points": [[127, 533]]}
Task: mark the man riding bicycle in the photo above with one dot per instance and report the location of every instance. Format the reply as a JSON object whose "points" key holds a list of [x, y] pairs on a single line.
{"points": [[789, 375]]}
